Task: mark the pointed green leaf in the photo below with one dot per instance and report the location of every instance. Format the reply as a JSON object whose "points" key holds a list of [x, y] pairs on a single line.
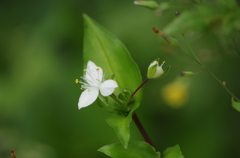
{"points": [[107, 52], [236, 105], [121, 124], [173, 152], [148, 4], [135, 150], [110, 76]]}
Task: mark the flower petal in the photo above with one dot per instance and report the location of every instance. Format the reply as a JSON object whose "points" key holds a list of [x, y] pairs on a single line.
{"points": [[89, 77], [94, 74], [91, 65], [107, 87], [87, 97]]}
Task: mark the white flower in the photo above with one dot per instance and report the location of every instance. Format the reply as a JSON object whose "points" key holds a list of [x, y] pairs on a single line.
{"points": [[93, 82], [154, 70]]}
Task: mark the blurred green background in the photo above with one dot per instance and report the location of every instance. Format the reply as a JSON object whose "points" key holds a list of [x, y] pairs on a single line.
{"points": [[41, 56]]}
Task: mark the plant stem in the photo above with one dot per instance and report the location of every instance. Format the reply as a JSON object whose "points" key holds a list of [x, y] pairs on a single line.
{"points": [[215, 77], [192, 50], [135, 117], [141, 129], [116, 99], [224, 86], [134, 93]]}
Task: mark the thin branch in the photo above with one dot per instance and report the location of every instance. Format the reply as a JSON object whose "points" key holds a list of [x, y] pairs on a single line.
{"points": [[141, 129]]}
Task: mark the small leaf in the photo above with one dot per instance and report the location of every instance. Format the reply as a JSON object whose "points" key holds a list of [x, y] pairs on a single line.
{"points": [[121, 123], [148, 4], [135, 150], [103, 99], [173, 152], [110, 76], [165, 70], [104, 104], [235, 104], [125, 95]]}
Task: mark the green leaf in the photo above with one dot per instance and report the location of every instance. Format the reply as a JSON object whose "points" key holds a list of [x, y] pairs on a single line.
{"points": [[165, 71], [135, 150], [107, 52], [125, 95], [148, 4], [236, 105], [173, 152], [110, 76], [103, 99], [121, 124], [104, 104], [220, 17]]}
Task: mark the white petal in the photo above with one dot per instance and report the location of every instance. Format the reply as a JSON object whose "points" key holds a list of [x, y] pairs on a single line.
{"points": [[94, 74], [153, 63], [107, 87], [87, 97], [91, 65], [158, 72], [89, 77], [99, 74]]}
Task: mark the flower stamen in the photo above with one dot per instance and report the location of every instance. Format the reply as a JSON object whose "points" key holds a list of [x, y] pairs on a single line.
{"points": [[163, 63], [76, 81]]}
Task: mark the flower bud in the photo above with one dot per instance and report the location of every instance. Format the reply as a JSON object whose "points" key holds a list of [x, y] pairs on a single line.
{"points": [[169, 39], [177, 14], [156, 71], [149, 4], [186, 73]]}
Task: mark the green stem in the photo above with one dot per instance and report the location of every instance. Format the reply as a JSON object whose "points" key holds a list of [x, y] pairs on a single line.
{"points": [[215, 77], [192, 51], [116, 99], [189, 55], [223, 85]]}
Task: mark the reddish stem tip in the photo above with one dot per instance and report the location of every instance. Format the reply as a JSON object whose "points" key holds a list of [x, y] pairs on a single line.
{"points": [[155, 30]]}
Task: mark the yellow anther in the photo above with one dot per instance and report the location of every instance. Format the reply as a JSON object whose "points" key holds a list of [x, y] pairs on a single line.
{"points": [[98, 69], [84, 69], [97, 79], [163, 62], [156, 62], [76, 80]]}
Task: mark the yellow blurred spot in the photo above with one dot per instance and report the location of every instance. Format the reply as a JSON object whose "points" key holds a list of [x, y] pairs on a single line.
{"points": [[98, 69], [84, 69], [175, 94], [76, 80]]}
